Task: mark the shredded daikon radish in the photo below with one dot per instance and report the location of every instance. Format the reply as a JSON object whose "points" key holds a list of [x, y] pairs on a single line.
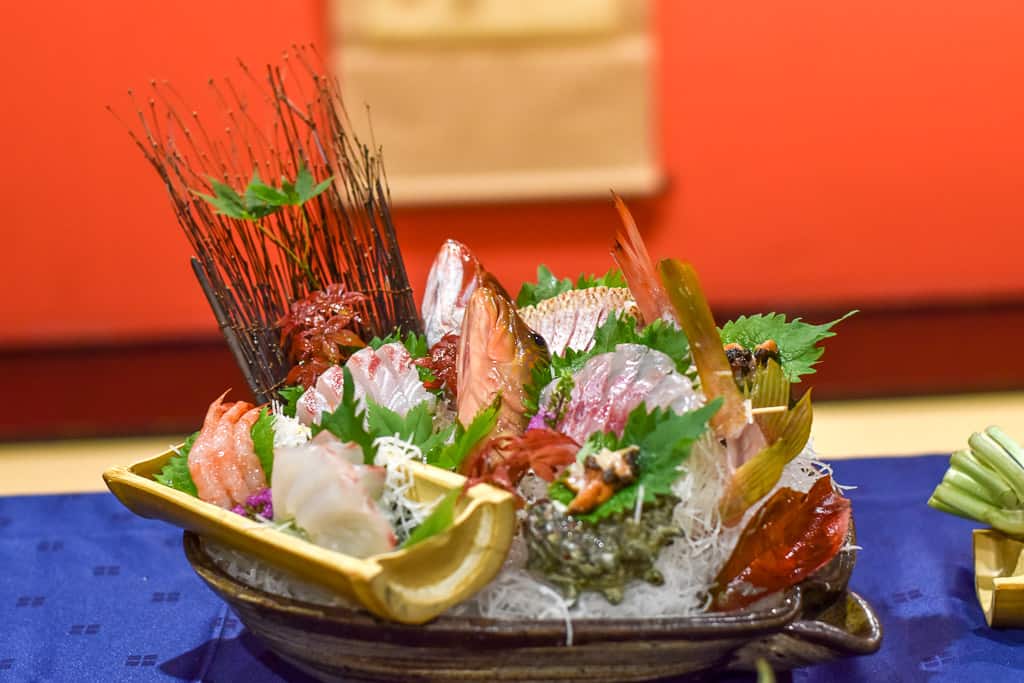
{"points": [[262, 576], [404, 512], [288, 431]]}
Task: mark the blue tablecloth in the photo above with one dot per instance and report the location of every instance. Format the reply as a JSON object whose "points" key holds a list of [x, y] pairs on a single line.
{"points": [[89, 592]]}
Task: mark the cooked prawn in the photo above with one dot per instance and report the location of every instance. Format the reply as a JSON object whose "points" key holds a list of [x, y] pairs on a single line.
{"points": [[245, 452], [200, 459]]}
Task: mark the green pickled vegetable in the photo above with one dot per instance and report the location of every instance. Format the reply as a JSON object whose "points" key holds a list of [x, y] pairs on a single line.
{"points": [[986, 483]]}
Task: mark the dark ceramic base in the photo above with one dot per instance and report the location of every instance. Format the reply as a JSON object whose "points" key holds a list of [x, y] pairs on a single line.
{"points": [[816, 622]]}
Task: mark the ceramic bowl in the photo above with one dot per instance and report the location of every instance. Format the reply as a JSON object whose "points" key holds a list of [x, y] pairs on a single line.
{"points": [[818, 621]]}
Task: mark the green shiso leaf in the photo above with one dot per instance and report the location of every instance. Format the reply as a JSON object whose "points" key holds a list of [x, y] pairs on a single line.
{"points": [[466, 438], [263, 441], [290, 398], [416, 427], [347, 421], [175, 473], [438, 521], [798, 341], [665, 440]]}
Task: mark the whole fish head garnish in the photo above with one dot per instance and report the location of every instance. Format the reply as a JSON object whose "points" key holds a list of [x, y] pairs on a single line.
{"points": [[496, 354], [454, 276]]}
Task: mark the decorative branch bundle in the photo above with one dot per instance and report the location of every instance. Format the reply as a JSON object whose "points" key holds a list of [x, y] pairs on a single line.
{"points": [[291, 125]]}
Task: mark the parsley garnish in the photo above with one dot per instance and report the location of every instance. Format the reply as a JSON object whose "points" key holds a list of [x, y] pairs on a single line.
{"points": [[415, 344], [797, 340], [416, 427], [548, 286], [664, 439]]}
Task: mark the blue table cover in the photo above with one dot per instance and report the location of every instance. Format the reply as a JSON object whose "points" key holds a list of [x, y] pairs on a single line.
{"points": [[90, 592]]}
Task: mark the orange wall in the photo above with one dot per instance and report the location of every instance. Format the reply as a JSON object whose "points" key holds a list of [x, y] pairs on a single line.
{"points": [[850, 151]]}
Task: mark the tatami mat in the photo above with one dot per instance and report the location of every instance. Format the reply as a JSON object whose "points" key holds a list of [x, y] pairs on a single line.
{"points": [[841, 429]]}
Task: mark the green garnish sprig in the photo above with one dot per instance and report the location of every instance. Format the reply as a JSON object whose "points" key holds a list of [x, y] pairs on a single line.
{"points": [[260, 200], [549, 286]]}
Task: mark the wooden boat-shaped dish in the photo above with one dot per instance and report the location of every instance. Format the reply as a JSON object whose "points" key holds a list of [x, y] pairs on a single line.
{"points": [[818, 621], [408, 585]]}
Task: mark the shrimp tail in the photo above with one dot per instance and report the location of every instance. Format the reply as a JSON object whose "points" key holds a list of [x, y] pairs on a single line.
{"points": [[630, 253]]}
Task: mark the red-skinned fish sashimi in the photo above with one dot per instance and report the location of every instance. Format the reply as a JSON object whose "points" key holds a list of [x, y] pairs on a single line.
{"points": [[611, 385]]}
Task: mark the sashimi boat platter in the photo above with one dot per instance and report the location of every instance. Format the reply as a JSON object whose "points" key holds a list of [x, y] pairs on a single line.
{"points": [[589, 480]]}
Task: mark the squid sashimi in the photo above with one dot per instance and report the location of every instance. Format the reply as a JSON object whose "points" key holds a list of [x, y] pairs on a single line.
{"points": [[387, 376], [612, 384], [326, 490], [496, 355], [569, 320], [223, 462]]}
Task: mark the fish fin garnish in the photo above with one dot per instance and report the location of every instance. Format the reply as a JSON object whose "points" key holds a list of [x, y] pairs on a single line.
{"points": [[788, 433], [630, 253], [694, 315]]}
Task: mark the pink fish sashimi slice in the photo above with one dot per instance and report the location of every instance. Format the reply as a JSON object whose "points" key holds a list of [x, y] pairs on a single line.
{"points": [[612, 384], [452, 279], [387, 375], [321, 486], [569, 320]]}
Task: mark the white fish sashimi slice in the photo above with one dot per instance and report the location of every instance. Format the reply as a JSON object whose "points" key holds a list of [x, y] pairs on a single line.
{"points": [[452, 279], [330, 498], [288, 466], [610, 385], [338, 448]]}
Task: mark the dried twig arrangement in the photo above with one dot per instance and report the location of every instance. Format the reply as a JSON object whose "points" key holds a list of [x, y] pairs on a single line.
{"points": [[290, 125]]}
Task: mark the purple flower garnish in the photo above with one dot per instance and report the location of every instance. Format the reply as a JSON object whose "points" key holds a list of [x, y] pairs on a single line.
{"points": [[542, 420], [259, 503]]}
